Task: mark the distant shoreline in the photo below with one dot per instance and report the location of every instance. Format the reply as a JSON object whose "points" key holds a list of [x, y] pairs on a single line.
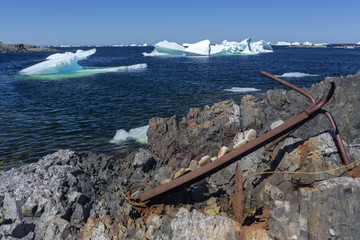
{"points": [[328, 46], [22, 48]]}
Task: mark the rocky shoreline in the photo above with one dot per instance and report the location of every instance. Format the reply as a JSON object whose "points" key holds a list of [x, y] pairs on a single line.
{"points": [[22, 48], [70, 196]]}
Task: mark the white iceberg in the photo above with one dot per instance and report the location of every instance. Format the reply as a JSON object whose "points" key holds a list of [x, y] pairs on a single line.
{"points": [[296, 75], [237, 48], [65, 65], [358, 43], [261, 47], [241, 90], [307, 43], [201, 48], [283, 43], [295, 44], [58, 63], [205, 48], [137, 134], [321, 44], [170, 48]]}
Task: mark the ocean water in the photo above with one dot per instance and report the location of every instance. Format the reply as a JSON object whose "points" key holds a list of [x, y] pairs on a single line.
{"points": [[40, 116]]}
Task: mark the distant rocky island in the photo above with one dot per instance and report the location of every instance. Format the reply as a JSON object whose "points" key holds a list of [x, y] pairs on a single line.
{"points": [[22, 48]]}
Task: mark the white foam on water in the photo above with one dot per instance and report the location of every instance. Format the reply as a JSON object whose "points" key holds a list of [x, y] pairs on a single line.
{"points": [[296, 75], [137, 134], [241, 90]]}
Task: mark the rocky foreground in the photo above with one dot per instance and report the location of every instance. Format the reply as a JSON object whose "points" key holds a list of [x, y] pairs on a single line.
{"points": [[22, 48], [68, 196]]}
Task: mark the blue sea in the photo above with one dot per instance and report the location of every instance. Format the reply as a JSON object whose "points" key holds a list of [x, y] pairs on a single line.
{"points": [[40, 116]]}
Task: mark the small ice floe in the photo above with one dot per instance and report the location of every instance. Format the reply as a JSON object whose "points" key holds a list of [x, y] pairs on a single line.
{"points": [[296, 75], [135, 134], [241, 90]]}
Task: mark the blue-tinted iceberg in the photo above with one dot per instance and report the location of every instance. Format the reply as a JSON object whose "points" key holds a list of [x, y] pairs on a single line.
{"points": [[65, 65], [232, 48], [167, 48], [261, 47], [205, 48]]}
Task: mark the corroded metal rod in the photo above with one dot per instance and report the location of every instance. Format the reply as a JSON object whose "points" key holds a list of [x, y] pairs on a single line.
{"points": [[235, 154], [238, 198], [337, 136]]}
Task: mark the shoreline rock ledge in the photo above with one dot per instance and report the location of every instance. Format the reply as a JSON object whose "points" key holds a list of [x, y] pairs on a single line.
{"points": [[22, 48], [70, 196]]}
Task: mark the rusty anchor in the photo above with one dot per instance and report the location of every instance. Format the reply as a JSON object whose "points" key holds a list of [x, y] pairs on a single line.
{"points": [[275, 135]]}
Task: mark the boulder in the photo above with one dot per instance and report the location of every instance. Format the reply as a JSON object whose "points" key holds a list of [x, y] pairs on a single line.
{"points": [[198, 134]]}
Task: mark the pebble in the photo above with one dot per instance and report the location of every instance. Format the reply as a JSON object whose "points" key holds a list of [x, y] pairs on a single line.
{"points": [[239, 144], [223, 151], [204, 160], [250, 135]]}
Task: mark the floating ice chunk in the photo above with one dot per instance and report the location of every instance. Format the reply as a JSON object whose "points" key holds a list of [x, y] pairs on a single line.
{"points": [[170, 48], [65, 65], [321, 44], [145, 45], [137, 134], [295, 44], [307, 43], [296, 75], [261, 47], [241, 90], [201, 48], [155, 54], [283, 43], [58, 62], [358, 43]]}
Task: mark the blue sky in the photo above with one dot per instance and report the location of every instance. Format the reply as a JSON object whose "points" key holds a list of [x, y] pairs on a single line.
{"points": [[124, 22]]}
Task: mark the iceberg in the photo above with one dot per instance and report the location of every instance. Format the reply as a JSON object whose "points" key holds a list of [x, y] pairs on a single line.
{"points": [[295, 44], [358, 43], [242, 90], [261, 47], [137, 134], [240, 48], [321, 44], [283, 43], [307, 43], [205, 48], [296, 75], [201, 48], [65, 65], [170, 48]]}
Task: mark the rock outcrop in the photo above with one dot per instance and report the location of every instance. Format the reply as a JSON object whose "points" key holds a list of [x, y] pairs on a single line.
{"points": [[22, 48], [199, 133]]}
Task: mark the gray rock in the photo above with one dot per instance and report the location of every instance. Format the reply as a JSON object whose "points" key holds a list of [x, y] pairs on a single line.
{"points": [[323, 212], [20, 48], [142, 158], [195, 225], [198, 134]]}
